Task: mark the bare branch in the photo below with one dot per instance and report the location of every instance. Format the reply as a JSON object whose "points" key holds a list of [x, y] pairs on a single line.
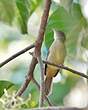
{"points": [[44, 94], [37, 51], [37, 47], [68, 69], [17, 54], [64, 67], [43, 24], [42, 86], [34, 60], [28, 77]]}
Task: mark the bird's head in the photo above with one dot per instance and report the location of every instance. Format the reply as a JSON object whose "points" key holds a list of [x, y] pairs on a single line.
{"points": [[59, 35]]}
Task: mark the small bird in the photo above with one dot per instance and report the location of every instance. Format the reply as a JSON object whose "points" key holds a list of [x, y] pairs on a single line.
{"points": [[57, 53]]}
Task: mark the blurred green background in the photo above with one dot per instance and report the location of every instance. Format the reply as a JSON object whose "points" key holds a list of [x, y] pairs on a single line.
{"points": [[19, 25]]}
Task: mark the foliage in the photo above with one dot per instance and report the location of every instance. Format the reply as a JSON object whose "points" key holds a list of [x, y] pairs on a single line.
{"points": [[25, 8], [18, 9], [66, 17], [7, 10], [69, 22], [4, 85]]}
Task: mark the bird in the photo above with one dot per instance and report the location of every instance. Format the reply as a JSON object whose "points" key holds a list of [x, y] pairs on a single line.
{"points": [[56, 55]]}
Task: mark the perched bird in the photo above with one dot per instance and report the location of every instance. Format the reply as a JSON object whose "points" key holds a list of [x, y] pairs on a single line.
{"points": [[57, 53]]}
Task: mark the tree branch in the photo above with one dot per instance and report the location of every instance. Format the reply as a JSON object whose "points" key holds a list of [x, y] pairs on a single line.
{"points": [[44, 94], [16, 55], [28, 77], [37, 47], [38, 44], [64, 67], [37, 53], [43, 24], [68, 69], [42, 86]]}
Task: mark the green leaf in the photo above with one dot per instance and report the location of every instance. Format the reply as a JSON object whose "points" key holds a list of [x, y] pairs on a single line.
{"points": [[34, 92], [71, 23], [79, 23], [60, 90], [4, 85], [23, 12], [19, 10], [59, 19], [7, 10], [25, 9]]}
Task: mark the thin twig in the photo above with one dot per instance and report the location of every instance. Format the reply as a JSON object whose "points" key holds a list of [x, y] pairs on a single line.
{"points": [[68, 69], [64, 67], [38, 44], [37, 47], [30, 47], [28, 77], [50, 104], [16, 55], [42, 86], [43, 24], [34, 60], [23, 87]]}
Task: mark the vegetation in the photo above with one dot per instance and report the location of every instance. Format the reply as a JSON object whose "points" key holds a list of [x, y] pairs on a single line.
{"points": [[19, 25]]}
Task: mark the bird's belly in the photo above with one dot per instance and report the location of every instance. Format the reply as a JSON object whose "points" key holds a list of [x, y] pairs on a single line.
{"points": [[56, 56], [51, 71], [57, 59]]}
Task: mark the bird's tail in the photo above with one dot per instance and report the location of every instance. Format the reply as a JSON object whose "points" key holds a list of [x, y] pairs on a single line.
{"points": [[48, 82]]}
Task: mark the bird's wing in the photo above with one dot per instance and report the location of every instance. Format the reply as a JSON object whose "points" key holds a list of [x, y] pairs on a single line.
{"points": [[56, 73], [47, 66]]}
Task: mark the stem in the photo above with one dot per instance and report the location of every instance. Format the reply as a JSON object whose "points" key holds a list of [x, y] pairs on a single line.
{"points": [[16, 55], [42, 82], [50, 104]]}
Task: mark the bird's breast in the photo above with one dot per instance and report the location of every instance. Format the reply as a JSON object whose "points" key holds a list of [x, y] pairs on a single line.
{"points": [[57, 53]]}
